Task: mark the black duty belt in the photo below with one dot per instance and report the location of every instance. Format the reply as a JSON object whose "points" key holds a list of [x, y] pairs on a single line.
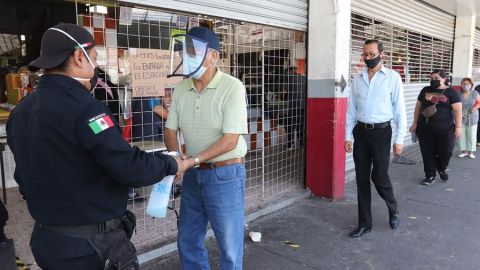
{"points": [[373, 126], [101, 227]]}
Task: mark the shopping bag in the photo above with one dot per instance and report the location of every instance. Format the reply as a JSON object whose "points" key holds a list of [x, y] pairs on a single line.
{"points": [[159, 197]]}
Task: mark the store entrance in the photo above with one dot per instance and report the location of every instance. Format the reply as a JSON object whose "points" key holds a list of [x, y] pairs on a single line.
{"points": [[22, 24]]}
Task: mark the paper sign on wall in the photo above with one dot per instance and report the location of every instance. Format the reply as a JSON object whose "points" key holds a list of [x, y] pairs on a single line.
{"points": [[149, 69]]}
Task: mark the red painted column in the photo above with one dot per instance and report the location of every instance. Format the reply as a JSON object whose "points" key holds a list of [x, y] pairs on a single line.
{"points": [[325, 151], [328, 73]]}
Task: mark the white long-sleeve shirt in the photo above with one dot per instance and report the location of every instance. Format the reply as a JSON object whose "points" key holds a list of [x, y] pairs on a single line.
{"points": [[377, 101]]}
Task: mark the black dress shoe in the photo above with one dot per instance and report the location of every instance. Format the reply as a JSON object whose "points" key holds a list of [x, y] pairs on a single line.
{"points": [[394, 220], [443, 175], [359, 232]]}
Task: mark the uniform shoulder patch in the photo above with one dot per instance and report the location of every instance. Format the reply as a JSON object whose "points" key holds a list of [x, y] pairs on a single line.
{"points": [[100, 123]]}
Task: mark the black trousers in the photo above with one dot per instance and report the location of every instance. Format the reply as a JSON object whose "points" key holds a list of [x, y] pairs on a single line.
{"points": [[3, 221], [53, 250], [3, 214], [372, 147], [436, 148], [478, 131]]}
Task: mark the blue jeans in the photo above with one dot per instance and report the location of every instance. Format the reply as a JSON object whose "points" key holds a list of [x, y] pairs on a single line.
{"points": [[214, 195]]}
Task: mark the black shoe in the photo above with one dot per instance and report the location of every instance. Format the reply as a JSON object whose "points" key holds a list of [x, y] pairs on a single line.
{"points": [[443, 175], [428, 181], [394, 220], [359, 232]]}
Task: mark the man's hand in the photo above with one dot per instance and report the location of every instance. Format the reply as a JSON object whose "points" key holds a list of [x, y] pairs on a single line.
{"points": [[348, 146], [397, 149], [458, 132]]}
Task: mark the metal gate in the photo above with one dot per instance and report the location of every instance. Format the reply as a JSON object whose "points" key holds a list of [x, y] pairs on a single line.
{"points": [[259, 55], [476, 57], [290, 14]]}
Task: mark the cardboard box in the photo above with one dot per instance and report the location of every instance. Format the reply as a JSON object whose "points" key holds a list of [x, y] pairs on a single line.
{"points": [[12, 81], [14, 95]]}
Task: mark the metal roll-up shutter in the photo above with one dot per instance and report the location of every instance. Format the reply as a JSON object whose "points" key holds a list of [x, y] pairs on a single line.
{"points": [[476, 57], [409, 14], [417, 39], [290, 14]]}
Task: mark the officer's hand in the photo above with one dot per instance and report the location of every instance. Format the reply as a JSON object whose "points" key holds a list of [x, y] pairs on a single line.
{"points": [[348, 146], [181, 169], [183, 166]]}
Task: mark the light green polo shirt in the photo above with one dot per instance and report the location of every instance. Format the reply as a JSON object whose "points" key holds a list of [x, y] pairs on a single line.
{"points": [[204, 117]]}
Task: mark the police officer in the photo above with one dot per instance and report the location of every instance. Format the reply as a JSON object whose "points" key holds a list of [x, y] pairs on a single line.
{"points": [[72, 164]]}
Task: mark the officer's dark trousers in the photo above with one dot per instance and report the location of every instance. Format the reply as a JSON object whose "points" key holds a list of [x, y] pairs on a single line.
{"points": [[372, 147], [437, 149], [53, 250]]}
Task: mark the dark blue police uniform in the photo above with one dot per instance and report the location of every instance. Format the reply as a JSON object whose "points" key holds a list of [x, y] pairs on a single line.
{"points": [[73, 173]]}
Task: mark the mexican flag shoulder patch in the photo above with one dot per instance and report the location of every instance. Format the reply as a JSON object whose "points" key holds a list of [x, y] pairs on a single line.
{"points": [[100, 123]]}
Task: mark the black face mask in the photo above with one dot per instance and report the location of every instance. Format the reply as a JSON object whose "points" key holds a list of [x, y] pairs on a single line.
{"points": [[94, 79], [371, 63], [435, 84]]}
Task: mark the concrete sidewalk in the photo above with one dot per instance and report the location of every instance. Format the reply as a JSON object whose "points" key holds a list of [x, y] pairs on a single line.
{"points": [[439, 229]]}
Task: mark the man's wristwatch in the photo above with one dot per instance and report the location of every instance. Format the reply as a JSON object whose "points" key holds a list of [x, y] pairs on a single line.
{"points": [[197, 160]]}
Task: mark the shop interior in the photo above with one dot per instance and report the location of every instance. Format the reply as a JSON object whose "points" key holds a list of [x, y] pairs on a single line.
{"points": [[22, 24]]}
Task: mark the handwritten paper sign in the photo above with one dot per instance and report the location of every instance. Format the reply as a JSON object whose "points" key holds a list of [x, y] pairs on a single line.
{"points": [[149, 69]]}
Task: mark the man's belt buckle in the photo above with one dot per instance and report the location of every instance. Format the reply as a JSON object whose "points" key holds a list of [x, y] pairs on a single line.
{"points": [[369, 126]]}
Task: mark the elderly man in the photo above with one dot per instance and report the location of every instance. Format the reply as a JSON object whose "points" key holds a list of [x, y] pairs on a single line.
{"points": [[376, 98], [209, 108]]}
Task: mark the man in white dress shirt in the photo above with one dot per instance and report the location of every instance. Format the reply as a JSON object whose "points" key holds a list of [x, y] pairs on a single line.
{"points": [[376, 98]]}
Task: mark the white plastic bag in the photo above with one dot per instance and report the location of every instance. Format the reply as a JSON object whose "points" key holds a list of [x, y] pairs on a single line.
{"points": [[158, 202], [160, 196]]}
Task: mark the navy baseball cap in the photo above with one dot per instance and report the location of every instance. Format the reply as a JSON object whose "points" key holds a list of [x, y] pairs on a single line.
{"points": [[56, 46], [207, 35]]}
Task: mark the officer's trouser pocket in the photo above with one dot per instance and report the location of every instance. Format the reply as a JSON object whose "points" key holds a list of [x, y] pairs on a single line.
{"points": [[115, 250]]}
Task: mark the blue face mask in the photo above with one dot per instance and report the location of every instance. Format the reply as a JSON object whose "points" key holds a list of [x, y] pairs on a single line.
{"points": [[193, 63]]}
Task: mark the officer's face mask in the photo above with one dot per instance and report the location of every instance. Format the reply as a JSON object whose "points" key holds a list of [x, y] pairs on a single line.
{"points": [[187, 56], [94, 80]]}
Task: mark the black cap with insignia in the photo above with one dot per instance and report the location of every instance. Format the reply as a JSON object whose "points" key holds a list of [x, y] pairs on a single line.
{"points": [[56, 47]]}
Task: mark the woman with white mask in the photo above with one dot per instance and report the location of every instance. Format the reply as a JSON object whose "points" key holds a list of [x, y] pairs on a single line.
{"points": [[470, 104]]}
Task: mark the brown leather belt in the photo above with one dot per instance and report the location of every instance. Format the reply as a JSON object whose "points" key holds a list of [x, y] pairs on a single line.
{"points": [[213, 165]]}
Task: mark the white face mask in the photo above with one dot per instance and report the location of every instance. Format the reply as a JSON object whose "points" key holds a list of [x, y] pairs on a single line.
{"points": [[94, 79], [466, 87]]}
